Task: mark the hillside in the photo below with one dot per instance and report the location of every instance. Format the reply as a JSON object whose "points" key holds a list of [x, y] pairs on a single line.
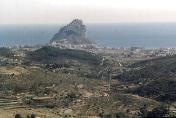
{"points": [[6, 52], [155, 78], [49, 55], [162, 89], [52, 82], [148, 69]]}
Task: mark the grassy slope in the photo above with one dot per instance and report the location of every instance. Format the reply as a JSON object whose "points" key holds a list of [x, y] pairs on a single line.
{"points": [[54, 55], [157, 76], [5, 52], [162, 89], [155, 68]]}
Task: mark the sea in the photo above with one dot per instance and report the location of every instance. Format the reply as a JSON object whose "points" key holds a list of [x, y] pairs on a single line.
{"points": [[146, 35]]}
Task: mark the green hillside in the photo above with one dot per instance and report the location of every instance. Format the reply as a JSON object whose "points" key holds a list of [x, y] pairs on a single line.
{"points": [[163, 89], [148, 69], [156, 78], [6, 52], [48, 55]]}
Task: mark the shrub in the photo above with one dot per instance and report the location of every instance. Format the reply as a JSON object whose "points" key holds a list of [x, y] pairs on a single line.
{"points": [[18, 116], [158, 112], [33, 116], [28, 116]]}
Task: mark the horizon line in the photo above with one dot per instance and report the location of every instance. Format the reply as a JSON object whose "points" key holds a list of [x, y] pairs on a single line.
{"points": [[87, 23]]}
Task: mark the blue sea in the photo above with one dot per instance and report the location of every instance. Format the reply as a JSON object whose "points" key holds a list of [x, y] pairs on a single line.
{"points": [[147, 35]]}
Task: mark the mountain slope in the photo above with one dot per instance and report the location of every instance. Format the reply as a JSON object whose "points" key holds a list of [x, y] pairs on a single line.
{"points": [[73, 33], [148, 69], [48, 55], [156, 78]]}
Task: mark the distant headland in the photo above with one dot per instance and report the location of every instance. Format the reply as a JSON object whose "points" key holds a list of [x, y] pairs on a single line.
{"points": [[73, 36]]}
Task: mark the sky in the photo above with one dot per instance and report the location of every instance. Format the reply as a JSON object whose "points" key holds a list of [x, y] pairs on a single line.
{"points": [[90, 11]]}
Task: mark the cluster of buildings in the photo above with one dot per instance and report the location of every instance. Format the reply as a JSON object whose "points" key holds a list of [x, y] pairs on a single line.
{"points": [[137, 52], [64, 44]]}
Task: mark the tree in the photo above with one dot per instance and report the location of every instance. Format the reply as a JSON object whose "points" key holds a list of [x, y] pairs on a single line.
{"points": [[33, 116], [18, 116], [28, 116], [143, 111], [158, 112]]}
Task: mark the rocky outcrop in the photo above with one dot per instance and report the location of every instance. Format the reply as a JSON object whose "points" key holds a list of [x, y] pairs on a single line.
{"points": [[73, 33]]}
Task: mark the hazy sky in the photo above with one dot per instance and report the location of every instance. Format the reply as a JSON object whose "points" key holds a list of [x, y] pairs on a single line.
{"points": [[91, 11]]}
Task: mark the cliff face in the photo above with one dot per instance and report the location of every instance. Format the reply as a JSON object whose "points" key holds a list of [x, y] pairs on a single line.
{"points": [[73, 33]]}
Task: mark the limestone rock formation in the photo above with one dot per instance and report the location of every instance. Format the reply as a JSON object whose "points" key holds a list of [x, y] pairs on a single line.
{"points": [[73, 33]]}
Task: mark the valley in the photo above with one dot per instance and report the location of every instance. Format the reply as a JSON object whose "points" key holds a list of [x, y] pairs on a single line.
{"points": [[59, 83]]}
